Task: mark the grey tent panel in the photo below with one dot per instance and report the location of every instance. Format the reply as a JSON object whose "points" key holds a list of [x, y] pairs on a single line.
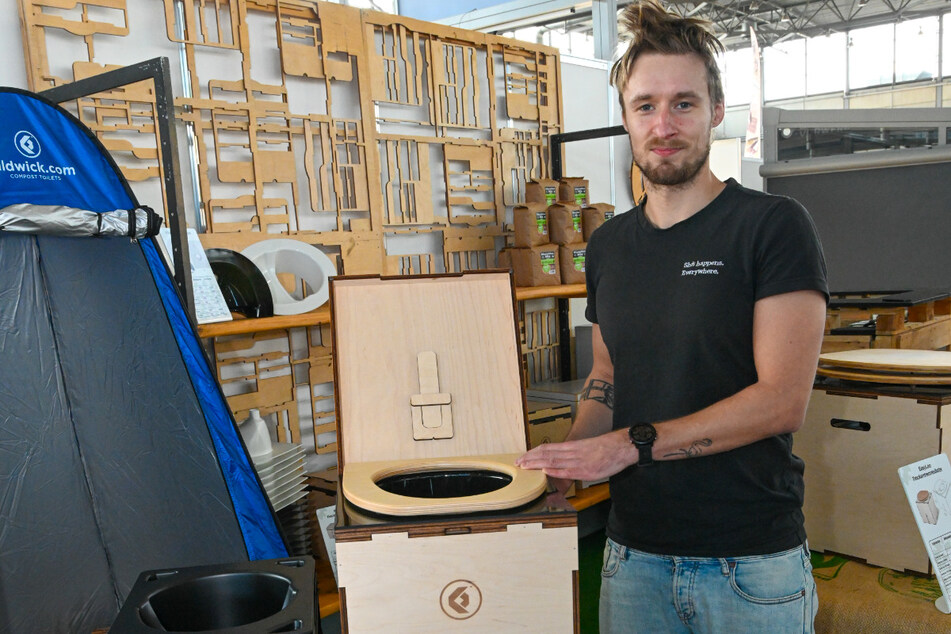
{"points": [[105, 459], [40, 512], [136, 413]]}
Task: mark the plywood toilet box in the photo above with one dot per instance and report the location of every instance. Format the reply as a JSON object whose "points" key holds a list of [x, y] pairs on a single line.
{"points": [[428, 380]]}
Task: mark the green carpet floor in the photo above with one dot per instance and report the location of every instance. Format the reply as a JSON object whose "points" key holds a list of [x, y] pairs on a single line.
{"points": [[590, 557]]}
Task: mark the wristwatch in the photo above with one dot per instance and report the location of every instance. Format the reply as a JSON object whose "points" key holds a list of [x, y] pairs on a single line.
{"points": [[642, 436]]}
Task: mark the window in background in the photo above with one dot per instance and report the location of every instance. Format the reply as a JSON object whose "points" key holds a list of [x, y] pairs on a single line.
{"points": [[527, 34], [575, 43], [812, 142], [736, 72], [946, 45], [871, 56], [916, 49], [386, 6], [784, 70], [825, 64]]}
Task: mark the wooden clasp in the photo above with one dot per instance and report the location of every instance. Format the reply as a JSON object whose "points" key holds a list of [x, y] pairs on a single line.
{"points": [[432, 410]]}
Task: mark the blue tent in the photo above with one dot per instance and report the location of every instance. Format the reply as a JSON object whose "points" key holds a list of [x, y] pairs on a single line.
{"points": [[118, 452]]}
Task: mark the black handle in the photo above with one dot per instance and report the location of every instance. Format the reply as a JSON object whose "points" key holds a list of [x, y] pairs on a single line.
{"points": [[854, 425]]}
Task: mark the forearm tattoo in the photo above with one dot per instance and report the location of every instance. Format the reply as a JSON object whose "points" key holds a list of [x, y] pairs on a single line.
{"points": [[695, 449], [598, 390]]}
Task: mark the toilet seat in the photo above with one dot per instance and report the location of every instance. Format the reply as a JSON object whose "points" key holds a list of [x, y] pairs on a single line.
{"points": [[360, 488], [283, 255]]}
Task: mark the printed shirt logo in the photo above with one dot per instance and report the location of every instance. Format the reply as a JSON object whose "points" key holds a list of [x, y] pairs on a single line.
{"points": [[27, 144], [460, 599], [701, 267]]}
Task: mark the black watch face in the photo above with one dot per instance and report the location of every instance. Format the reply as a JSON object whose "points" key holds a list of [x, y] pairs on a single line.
{"points": [[643, 434]]}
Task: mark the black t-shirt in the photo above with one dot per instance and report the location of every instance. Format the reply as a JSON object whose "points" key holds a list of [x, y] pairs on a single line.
{"points": [[675, 309]]}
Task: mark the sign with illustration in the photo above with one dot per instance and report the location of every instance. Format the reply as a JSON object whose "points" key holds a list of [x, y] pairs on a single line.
{"points": [[928, 487]]}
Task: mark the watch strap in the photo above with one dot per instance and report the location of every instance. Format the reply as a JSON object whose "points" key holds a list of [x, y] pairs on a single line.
{"points": [[645, 456], [642, 436]]}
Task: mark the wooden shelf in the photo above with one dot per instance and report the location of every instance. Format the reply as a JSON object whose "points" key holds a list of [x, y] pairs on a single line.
{"points": [[540, 292], [243, 326], [589, 496]]}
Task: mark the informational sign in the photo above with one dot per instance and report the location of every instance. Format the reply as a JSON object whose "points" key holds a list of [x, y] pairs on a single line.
{"points": [[928, 487], [326, 518], [210, 305]]}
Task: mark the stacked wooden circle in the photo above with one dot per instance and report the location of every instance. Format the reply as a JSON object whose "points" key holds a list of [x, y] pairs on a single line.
{"points": [[888, 365]]}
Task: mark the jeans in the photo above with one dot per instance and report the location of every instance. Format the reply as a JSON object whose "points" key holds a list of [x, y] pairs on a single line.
{"points": [[656, 594]]}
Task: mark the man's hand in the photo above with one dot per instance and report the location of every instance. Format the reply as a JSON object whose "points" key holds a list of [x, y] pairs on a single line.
{"points": [[586, 459]]}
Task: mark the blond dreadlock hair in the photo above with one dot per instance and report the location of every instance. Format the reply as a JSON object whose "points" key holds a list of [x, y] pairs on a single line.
{"points": [[650, 28]]}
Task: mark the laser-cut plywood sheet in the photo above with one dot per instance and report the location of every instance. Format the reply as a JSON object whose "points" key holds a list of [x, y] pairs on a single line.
{"points": [[315, 119], [392, 144]]}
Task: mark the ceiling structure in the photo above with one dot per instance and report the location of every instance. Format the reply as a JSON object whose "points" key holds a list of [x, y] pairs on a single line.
{"points": [[773, 20], [777, 20]]}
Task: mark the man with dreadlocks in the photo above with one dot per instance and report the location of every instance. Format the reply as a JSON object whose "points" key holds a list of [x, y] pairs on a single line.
{"points": [[708, 305]]}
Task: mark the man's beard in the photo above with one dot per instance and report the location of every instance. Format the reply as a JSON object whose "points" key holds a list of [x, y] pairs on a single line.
{"points": [[670, 176]]}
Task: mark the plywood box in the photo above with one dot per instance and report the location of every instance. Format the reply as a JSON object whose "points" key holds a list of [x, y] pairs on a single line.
{"points": [[569, 393], [429, 389], [548, 421], [852, 442], [472, 574]]}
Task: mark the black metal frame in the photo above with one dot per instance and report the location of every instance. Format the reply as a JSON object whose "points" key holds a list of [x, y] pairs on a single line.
{"points": [[564, 313], [156, 69]]}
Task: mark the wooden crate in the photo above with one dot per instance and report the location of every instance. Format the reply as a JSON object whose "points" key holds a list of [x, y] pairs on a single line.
{"points": [[548, 421], [450, 344], [472, 573], [911, 319], [853, 441]]}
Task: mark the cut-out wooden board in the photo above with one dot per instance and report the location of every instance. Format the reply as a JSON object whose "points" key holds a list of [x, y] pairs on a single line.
{"points": [[891, 379], [359, 486], [470, 326], [892, 360]]}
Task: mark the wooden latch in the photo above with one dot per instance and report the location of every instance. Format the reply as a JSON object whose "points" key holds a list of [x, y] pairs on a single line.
{"points": [[432, 412]]}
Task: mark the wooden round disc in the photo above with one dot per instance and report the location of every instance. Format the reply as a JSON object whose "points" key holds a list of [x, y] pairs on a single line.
{"points": [[895, 379], [893, 360]]}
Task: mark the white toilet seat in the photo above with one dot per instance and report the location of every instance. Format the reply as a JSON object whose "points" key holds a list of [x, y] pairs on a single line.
{"points": [[360, 488], [307, 262]]}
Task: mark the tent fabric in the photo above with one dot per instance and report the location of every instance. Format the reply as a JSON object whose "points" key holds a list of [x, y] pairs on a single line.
{"points": [[48, 531], [51, 220], [118, 452]]}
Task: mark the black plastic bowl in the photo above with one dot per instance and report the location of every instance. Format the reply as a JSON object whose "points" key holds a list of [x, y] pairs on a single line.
{"points": [[444, 484], [252, 597], [217, 602]]}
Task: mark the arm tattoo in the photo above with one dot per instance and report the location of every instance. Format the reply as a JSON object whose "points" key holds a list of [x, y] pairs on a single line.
{"points": [[694, 450], [598, 390]]}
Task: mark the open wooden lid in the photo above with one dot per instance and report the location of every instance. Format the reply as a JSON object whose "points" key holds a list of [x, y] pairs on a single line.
{"points": [[427, 367]]}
